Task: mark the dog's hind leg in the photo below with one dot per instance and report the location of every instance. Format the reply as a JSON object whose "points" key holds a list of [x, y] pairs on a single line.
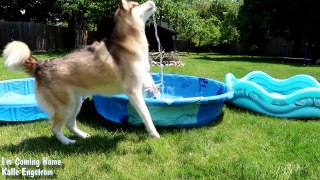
{"points": [[58, 119], [71, 122], [136, 99], [59, 111]]}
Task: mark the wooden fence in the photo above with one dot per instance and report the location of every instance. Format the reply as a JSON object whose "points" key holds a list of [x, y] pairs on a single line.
{"points": [[39, 37]]}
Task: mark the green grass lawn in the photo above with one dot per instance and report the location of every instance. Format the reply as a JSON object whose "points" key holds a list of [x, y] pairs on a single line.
{"points": [[239, 145]]}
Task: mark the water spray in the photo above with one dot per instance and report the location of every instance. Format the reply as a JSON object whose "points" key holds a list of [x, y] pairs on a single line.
{"points": [[161, 57]]}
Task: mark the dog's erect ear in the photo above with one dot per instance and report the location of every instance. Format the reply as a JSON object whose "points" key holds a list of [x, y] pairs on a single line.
{"points": [[124, 5]]}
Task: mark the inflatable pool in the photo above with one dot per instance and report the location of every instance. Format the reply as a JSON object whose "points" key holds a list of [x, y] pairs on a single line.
{"points": [[17, 101], [295, 97], [188, 101]]}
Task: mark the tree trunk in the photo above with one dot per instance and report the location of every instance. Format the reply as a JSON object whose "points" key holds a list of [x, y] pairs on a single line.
{"points": [[189, 44], [71, 34], [198, 48], [78, 37]]}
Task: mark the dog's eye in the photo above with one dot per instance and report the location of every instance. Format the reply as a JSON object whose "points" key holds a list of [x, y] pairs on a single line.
{"points": [[133, 5], [136, 5]]}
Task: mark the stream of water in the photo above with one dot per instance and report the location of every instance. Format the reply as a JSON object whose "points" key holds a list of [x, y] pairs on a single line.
{"points": [[161, 57]]}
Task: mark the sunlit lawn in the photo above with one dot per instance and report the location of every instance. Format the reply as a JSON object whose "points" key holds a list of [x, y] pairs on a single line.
{"points": [[239, 145]]}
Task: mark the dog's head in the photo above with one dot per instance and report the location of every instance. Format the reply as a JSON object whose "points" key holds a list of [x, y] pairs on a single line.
{"points": [[134, 13]]}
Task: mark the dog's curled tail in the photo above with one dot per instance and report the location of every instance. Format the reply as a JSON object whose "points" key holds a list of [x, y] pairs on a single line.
{"points": [[17, 56]]}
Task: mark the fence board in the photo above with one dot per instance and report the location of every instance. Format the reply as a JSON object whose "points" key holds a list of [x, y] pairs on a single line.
{"points": [[39, 37]]}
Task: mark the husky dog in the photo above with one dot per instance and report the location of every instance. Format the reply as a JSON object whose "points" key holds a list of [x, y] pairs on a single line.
{"points": [[116, 66], [149, 88]]}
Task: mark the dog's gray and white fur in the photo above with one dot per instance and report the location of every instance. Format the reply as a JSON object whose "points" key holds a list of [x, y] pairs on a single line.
{"points": [[119, 66]]}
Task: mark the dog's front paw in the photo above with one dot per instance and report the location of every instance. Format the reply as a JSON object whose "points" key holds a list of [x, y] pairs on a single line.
{"points": [[155, 135], [84, 135], [69, 141]]}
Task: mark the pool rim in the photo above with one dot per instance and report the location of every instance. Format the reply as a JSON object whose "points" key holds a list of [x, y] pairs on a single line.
{"points": [[199, 100]]}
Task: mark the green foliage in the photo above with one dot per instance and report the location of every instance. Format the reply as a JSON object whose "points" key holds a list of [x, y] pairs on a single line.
{"points": [[291, 19], [207, 31], [203, 22], [41, 11], [227, 12], [86, 12], [206, 22]]}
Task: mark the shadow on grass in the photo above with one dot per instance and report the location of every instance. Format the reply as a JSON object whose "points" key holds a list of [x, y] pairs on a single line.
{"points": [[49, 145], [98, 142], [89, 116], [244, 110], [13, 123], [251, 59]]}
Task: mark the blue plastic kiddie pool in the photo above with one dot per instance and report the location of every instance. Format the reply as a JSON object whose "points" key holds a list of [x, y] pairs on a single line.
{"points": [[17, 101], [295, 97], [188, 101]]}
